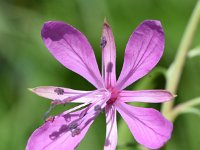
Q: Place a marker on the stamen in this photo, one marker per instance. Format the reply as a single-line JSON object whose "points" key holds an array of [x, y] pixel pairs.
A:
{"points": [[109, 67], [88, 114], [97, 108], [76, 132], [73, 125], [103, 42], [70, 99], [59, 91], [67, 117], [63, 128], [54, 135]]}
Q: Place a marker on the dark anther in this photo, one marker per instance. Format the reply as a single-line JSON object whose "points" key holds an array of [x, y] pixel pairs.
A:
{"points": [[63, 128], [54, 135], [67, 117], [59, 91], [73, 125], [109, 67], [97, 108], [103, 42], [76, 132]]}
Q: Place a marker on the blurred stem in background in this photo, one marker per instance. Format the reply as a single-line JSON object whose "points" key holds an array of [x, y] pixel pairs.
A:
{"points": [[186, 107], [176, 68]]}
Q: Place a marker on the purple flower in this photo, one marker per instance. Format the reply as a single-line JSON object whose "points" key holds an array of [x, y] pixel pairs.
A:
{"points": [[71, 48]]}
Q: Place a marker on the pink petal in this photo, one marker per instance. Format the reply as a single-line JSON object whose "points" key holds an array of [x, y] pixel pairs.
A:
{"points": [[147, 125], [56, 135], [68, 95], [64, 132], [108, 56], [72, 49], [111, 128], [152, 96], [143, 51]]}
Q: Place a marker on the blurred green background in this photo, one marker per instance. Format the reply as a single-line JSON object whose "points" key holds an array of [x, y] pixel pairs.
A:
{"points": [[25, 63]]}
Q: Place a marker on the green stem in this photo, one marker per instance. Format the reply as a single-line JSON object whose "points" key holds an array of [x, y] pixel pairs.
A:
{"points": [[184, 106], [175, 71]]}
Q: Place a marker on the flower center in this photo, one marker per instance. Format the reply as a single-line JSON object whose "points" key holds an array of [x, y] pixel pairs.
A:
{"points": [[114, 96]]}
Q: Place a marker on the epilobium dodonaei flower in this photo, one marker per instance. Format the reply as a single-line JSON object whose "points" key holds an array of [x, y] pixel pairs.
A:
{"points": [[71, 48]]}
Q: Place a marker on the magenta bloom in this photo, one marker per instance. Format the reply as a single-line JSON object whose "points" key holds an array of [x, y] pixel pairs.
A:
{"points": [[71, 48]]}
